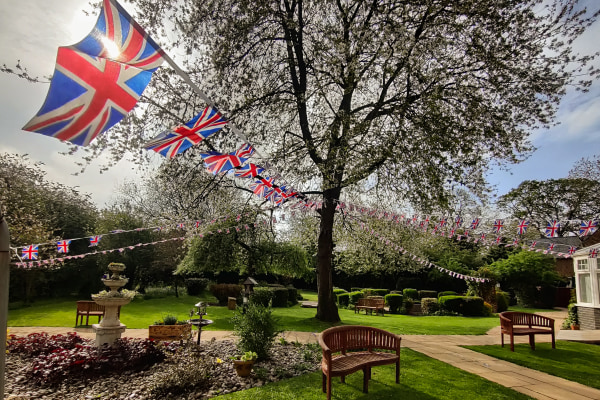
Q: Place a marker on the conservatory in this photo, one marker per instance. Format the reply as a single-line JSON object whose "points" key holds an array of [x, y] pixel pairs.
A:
{"points": [[587, 278]]}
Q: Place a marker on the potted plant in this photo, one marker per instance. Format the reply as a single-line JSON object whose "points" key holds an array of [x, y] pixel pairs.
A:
{"points": [[243, 364], [572, 320], [169, 328]]}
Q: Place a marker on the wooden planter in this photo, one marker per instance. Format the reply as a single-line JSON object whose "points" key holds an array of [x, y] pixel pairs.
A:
{"points": [[170, 332], [243, 368]]}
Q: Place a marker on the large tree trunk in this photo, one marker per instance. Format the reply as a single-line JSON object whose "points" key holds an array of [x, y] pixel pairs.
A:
{"points": [[326, 309]]}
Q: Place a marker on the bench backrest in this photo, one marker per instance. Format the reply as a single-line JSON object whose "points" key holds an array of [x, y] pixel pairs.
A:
{"points": [[88, 305], [522, 318], [362, 302], [356, 337], [375, 302]]}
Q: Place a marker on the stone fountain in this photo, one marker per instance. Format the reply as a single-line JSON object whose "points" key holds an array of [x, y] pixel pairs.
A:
{"points": [[110, 328]]}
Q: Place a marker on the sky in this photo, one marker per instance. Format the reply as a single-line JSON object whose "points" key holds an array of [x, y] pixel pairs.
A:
{"points": [[32, 30]]}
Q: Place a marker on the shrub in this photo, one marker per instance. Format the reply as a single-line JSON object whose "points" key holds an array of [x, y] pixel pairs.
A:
{"points": [[343, 299], [447, 293], [502, 300], [337, 291], [292, 295], [427, 294], [411, 294], [189, 374], [465, 305], [394, 301], [41, 343], [224, 290], [280, 296], [407, 304], [195, 286], [487, 309], [429, 305], [85, 360], [354, 296], [256, 329], [262, 296], [356, 289], [379, 292]]}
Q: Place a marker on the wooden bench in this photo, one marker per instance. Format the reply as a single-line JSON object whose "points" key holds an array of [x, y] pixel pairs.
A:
{"points": [[370, 304], [515, 323], [89, 309], [350, 348]]}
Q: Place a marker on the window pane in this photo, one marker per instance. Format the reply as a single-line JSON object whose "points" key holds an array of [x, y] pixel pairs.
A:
{"points": [[582, 265], [585, 288]]}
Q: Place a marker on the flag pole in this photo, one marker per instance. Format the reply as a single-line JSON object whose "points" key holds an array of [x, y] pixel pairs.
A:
{"points": [[4, 285]]}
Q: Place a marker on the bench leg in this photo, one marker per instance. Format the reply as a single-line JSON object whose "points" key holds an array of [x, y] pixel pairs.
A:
{"points": [[512, 343], [343, 379], [366, 373], [502, 338], [324, 382], [328, 387], [532, 341], [398, 371], [553, 342]]}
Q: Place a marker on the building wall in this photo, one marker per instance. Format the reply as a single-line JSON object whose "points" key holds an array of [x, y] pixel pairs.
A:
{"points": [[589, 318]]}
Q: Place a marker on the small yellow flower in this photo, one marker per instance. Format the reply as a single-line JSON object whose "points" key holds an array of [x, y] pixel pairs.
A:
{"points": [[219, 361]]}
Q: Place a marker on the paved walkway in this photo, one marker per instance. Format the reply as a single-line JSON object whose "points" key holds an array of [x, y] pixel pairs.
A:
{"points": [[446, 348]]}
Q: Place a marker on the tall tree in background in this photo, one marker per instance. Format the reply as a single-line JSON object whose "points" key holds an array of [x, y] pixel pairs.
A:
{"points": [[415, 95], [566, 200], [587, 168]]}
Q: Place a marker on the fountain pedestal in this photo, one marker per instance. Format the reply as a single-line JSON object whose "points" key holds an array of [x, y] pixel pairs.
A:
{"points": [[111, 328]]}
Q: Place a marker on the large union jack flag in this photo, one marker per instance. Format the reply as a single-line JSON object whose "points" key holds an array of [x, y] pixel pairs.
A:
{"points": [[97, 81], [181, 138], [588, 227], [498, 225], [217, 162]]}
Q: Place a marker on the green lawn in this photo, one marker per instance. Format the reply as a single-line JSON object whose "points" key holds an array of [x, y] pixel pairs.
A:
{"points": [[141, 313], [578, 362], [422, 378]]}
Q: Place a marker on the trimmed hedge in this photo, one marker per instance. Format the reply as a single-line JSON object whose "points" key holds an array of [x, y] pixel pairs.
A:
{"points": [[394, 301], [262, 296], [447, 293], [280, 296], [469, 306], [354, 296], [224, 290], [195, 286], [356, 289], [410, 294], [292, 295], [429, 305], [407, 304], [337, 291], [375, 292], [427, 294], [502, 300], [343, 299]]}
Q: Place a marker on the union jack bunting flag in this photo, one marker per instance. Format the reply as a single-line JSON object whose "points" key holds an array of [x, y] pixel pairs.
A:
{"points": [[572, 250], [259, 188], [475, 223], [216, 162], [458, 221], [533, 244], [552, 228], [30, 252], [97, 81], [588, 227], [593, 253], [181, 138], [62, 246], [248, 171], [515, 242], [498, 225], [482, 237], [551, 246], [522, 228], [245, 151], [94, 240], [443, 221], [498, 239]]}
